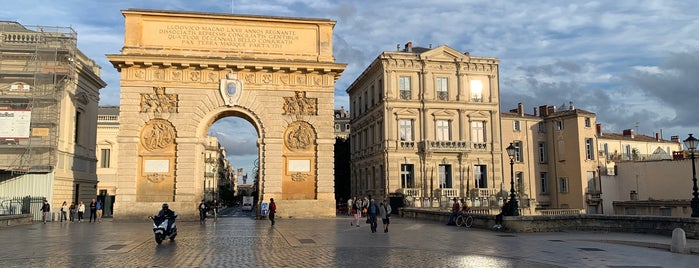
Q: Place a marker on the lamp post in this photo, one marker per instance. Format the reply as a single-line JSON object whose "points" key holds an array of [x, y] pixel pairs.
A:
{"points": [[512, 206], [691, 144]]}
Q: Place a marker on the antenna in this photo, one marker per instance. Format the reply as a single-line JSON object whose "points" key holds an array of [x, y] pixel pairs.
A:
{"points": [[232, 4]]}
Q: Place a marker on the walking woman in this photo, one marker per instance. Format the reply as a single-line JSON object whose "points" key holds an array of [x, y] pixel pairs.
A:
{"points": [[64, 211]]}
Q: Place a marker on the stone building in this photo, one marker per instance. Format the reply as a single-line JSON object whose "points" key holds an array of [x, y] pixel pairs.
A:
{"points": [[49, 92], [426, 124], [107, 154], [342, 123], [556, 164]]}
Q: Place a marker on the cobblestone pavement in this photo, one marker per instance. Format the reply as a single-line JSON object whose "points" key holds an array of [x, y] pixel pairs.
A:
{"points": [[244, 242]]}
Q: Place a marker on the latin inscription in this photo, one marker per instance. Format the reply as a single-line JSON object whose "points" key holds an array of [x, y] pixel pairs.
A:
{"points": [[229, 36]]}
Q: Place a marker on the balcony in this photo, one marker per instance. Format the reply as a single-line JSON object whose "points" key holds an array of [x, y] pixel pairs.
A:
{"points": [[410, 191], [406, 145], [446, 192], [451, 146], [483, 192]]}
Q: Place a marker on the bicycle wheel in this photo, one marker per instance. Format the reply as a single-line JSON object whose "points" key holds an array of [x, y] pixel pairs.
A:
{"points": [[468, 222], [459, 220]]}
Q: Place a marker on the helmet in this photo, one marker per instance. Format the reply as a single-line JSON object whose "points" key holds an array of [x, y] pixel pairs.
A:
{"points": [[165, 206]]}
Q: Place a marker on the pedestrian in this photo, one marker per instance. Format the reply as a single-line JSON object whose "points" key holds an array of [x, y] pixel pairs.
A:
{"points": [[272, 210], [64, 211], [202, 212], [357, 211], [73, 209], [455, 208], [93, 210], [349, 206], [372, 211], [214, 209], [385, 211], [81, 211], [99, 208], [45, 211]]}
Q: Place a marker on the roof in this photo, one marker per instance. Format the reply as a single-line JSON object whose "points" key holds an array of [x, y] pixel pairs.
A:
{"points": [[636, 137], [108, 110]]}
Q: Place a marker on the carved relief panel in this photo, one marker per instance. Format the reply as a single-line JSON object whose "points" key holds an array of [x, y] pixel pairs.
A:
{"points": [[156, 162], [299, 178]]}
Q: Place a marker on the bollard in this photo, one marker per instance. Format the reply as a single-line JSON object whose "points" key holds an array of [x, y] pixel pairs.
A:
{"points": [[679, 241]]}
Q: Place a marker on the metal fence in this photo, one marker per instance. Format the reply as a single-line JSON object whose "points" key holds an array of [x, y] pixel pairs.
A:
{"points": [[22, 205]]}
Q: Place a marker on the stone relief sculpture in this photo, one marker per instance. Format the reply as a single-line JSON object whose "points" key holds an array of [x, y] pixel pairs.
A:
{"points": [[158, 101], [155, 177], [298, 176], [299, 136], [231, 88], [157, 134], [300, 105]]}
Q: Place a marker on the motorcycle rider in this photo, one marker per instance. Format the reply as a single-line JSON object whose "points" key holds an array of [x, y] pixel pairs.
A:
{"points": [[167, 213]]}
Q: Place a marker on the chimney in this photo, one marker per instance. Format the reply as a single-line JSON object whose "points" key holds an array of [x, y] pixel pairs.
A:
{"points": [[520, 109], [534, 111], [552, 109], [571, 107], [599, 130], [397, 47], [657, 136], [628, 133], [409, 47], [342, 111], [544, 110], [675, 139]]}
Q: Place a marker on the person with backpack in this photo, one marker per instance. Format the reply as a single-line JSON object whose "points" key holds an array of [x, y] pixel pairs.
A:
{"points": [[385, 212], [372, 211]]}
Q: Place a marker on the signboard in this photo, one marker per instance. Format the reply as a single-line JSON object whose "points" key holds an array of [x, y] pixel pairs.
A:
{"points": [[15, 124], [157, 166], [265, 209], [299, 165], [20, 87]]}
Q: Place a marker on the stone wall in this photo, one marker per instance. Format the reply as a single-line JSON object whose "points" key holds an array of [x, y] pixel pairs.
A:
{"points": [[582, 222], [12, 220]]}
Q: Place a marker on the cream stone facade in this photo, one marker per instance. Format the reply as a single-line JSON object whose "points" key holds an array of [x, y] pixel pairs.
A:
{"points": [[426, 123], [181, 71], [49, 92]]}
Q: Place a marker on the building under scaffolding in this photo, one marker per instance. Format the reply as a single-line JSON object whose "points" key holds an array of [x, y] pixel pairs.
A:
{"points": [[49, 93]]}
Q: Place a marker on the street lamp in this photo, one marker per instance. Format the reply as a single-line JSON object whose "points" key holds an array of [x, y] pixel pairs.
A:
{"points": [[512, 206], [691, 144]]}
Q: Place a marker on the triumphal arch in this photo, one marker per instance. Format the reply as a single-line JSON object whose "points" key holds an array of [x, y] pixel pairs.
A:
{"points": [[182, 71]]}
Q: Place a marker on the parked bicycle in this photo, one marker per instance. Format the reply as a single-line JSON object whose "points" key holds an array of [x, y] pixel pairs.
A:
{"points": [[464, 219]]}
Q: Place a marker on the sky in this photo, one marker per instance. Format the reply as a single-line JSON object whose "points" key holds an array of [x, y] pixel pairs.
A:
{"points": [[634, 63]]}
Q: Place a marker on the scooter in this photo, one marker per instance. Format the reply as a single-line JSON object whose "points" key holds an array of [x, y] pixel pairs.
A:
{"points": [[160, 227]]}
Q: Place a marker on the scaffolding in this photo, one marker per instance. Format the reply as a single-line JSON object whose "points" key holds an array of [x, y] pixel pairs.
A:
{"points": [[37, 67]]}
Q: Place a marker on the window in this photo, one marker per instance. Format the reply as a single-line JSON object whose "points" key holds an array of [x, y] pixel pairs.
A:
{"points": [[544, 182], [627, 152], [406, 176], [518, 154], [559, 125], [519, 182], [337, 127], [589, 149], [587, 122], [543, 155], [361, 103], [605, 147], [366, 104], [443, 130], [478, 131], [372, 95], [481, 177], [476, 91], [104, 158], [445, 176], [78, 125], [404, 85], [516, 126], [441, 85], [591, 182], [563, 185], [542, 127], [665, 211], [405, 131], [347, 127]]}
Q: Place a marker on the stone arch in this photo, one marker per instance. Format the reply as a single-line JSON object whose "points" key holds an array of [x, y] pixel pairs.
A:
{"points": [[189, 82]]}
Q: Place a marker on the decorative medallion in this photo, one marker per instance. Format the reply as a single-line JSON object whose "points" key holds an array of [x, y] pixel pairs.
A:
{"points": [[300, 105], [155, 177], [157, 134], [298, 176], [231, 88], [158, 101], [299, 136]]}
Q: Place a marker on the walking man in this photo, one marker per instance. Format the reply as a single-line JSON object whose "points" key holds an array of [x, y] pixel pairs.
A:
{"points": [[202, 212], [272, 210], [372, 211], [385, 211], [98, 206], [93, 210], [45, 211]]}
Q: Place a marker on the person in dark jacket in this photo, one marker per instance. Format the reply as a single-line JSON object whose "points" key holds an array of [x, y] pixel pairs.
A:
{"points": [[372, 211], [272, 210], [45, 211]]}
